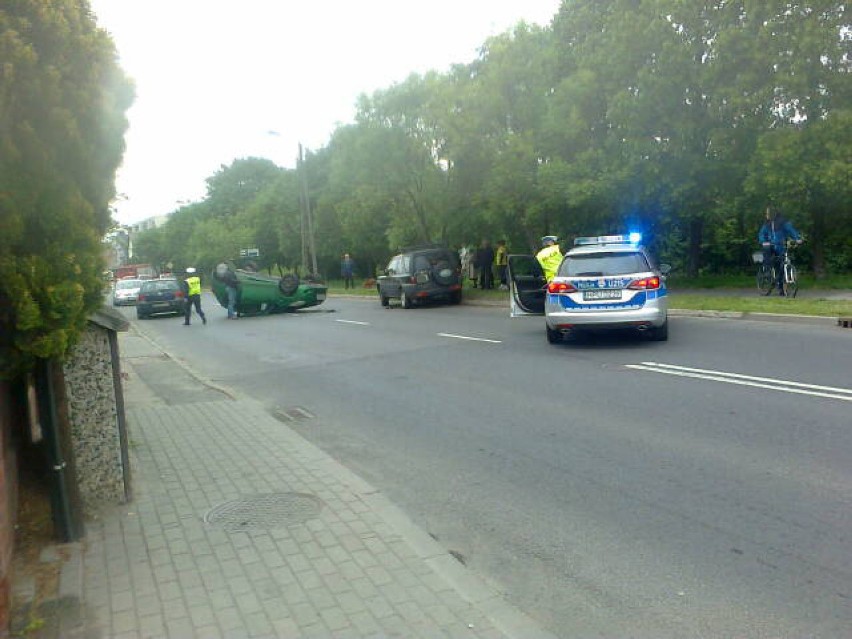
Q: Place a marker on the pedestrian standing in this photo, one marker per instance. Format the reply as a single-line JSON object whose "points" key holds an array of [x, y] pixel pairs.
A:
{"points": [[229, 279], [484, 259], [192, 289], [347, 271], [501, 261]]}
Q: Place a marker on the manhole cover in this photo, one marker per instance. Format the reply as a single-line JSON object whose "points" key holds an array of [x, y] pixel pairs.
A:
{"points": [[261, 512]]}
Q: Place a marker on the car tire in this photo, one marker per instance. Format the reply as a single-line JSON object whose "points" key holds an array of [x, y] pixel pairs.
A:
{"points": [[140, 316], [661, 333], [456, 297], [553, 337], [404, 300], [383, 299], [288, 284]]}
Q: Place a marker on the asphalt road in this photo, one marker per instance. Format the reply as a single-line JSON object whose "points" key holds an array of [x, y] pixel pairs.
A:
{"points": [[616, 487]]}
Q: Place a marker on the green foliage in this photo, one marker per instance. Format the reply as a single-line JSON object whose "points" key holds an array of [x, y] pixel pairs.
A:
{"points": [[62, 106], [680, 119]]}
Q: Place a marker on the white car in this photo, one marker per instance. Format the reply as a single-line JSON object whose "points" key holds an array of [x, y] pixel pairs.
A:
{"points": [[126, 292], [604, 283]]}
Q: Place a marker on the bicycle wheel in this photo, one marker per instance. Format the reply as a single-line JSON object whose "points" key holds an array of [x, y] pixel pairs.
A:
{"points": [[765, 279], [791, 281]]}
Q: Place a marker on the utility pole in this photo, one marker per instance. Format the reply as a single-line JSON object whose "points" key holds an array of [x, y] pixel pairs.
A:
{"points": [[308, 247]]}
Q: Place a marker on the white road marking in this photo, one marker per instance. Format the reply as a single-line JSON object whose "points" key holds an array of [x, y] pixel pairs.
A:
{"points": [[472, 339], [353, 322], [786, 386]]}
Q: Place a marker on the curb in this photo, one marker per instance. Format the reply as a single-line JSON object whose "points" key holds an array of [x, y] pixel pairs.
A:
{"points": [[812, 320], [511, 621]]}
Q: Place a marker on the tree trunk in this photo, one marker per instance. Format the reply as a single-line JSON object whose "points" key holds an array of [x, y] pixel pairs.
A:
{"points": [[817, 241], [696, 231]]}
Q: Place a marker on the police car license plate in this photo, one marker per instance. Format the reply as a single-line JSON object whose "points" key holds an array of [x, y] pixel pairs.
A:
{"points": [[602, 294]]}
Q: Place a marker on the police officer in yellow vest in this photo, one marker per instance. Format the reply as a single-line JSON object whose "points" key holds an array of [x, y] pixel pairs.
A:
{"points": [[550, 257], [192, 289]]}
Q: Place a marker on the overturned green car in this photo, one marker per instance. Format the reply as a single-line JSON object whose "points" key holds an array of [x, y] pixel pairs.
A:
{"points": [[259, 294]]}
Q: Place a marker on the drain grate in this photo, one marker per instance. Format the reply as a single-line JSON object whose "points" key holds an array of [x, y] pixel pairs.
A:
{"points": [[262, 512]]}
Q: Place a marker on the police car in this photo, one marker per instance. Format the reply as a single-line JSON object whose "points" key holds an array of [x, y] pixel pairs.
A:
{"points": [[605, 282]]}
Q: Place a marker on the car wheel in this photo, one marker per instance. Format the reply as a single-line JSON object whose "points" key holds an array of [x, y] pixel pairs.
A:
{"points": [[404, 300], [553, 337], [288, 284], [383, 299], [661, 333], [456, 297], [140, 316]]}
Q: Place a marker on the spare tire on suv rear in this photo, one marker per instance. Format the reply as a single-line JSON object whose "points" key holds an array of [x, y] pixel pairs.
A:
{"points": [[444, 274]]}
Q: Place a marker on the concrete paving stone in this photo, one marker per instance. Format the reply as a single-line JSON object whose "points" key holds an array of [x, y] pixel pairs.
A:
{"points": [[240, 540], [160, 558], [200, 547], [309, 579], [263, 543], [288, 546], [378, 575], [164, 574], [183, 563], [258, 625], [124, 621], [364, 588], [121, 601], [248, 603], [248, 556], [335, 619], [321, 598], [208, 632], [351, 543], [268, 589], [229, 618], [147, 605], [282, 575], [231, 568], [379, 607], [364, 558], [348, 569], [188, 578], [286, 627], [152, 625], [315, 631], [301, 534], [120, 583], [298, 563], [196, 596], [325, 566], [410, 611], [304, 614], [180, 627], [155, 541], [201, 615], [312, 550], [337, 584], [223, 550], [179, 547], [220, 597], [293, 594], [174, 609], [350, 602]]}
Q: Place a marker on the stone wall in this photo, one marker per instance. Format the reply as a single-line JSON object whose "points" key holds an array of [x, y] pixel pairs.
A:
{"points": [[94, 421]]}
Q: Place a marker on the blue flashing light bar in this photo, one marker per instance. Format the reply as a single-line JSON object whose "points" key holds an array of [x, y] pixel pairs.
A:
{"points": [[632, 238]]}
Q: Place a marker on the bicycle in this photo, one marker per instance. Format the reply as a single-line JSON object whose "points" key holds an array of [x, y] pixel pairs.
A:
{"points": [[767, 275]]}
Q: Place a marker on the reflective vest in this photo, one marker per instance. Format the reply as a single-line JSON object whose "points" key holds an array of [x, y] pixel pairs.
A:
{"points": [[550, 257], [193, 285]]}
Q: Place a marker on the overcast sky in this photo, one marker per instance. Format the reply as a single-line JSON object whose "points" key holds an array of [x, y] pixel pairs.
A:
{"points": [[218, 80]]}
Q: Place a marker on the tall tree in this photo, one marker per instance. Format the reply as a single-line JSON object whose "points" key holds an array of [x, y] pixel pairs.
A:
{"points": [[62, 117]]}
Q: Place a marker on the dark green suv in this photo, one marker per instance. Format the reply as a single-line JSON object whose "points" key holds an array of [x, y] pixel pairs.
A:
{"points": [[420, 275]]}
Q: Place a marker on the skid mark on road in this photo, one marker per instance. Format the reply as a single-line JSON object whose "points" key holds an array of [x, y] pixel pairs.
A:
{"points": [[786, 386]]}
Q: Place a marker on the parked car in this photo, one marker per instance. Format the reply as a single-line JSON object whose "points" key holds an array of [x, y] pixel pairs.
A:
{"points": [[421, 275], [259, 294], [160, 296], [126, 291], [604, 283]]}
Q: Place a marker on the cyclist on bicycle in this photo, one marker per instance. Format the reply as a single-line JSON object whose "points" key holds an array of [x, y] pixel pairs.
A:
{"points": [[773, 236]]}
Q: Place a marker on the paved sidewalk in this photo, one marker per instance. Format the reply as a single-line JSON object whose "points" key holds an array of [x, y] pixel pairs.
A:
{"points": [[241, 528]]}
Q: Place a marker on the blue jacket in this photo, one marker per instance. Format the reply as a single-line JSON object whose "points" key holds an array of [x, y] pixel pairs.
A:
{"points": [[777, 232]]}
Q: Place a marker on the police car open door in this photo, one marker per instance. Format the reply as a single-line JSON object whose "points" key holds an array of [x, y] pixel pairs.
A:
{"points": [[527, 285]]}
